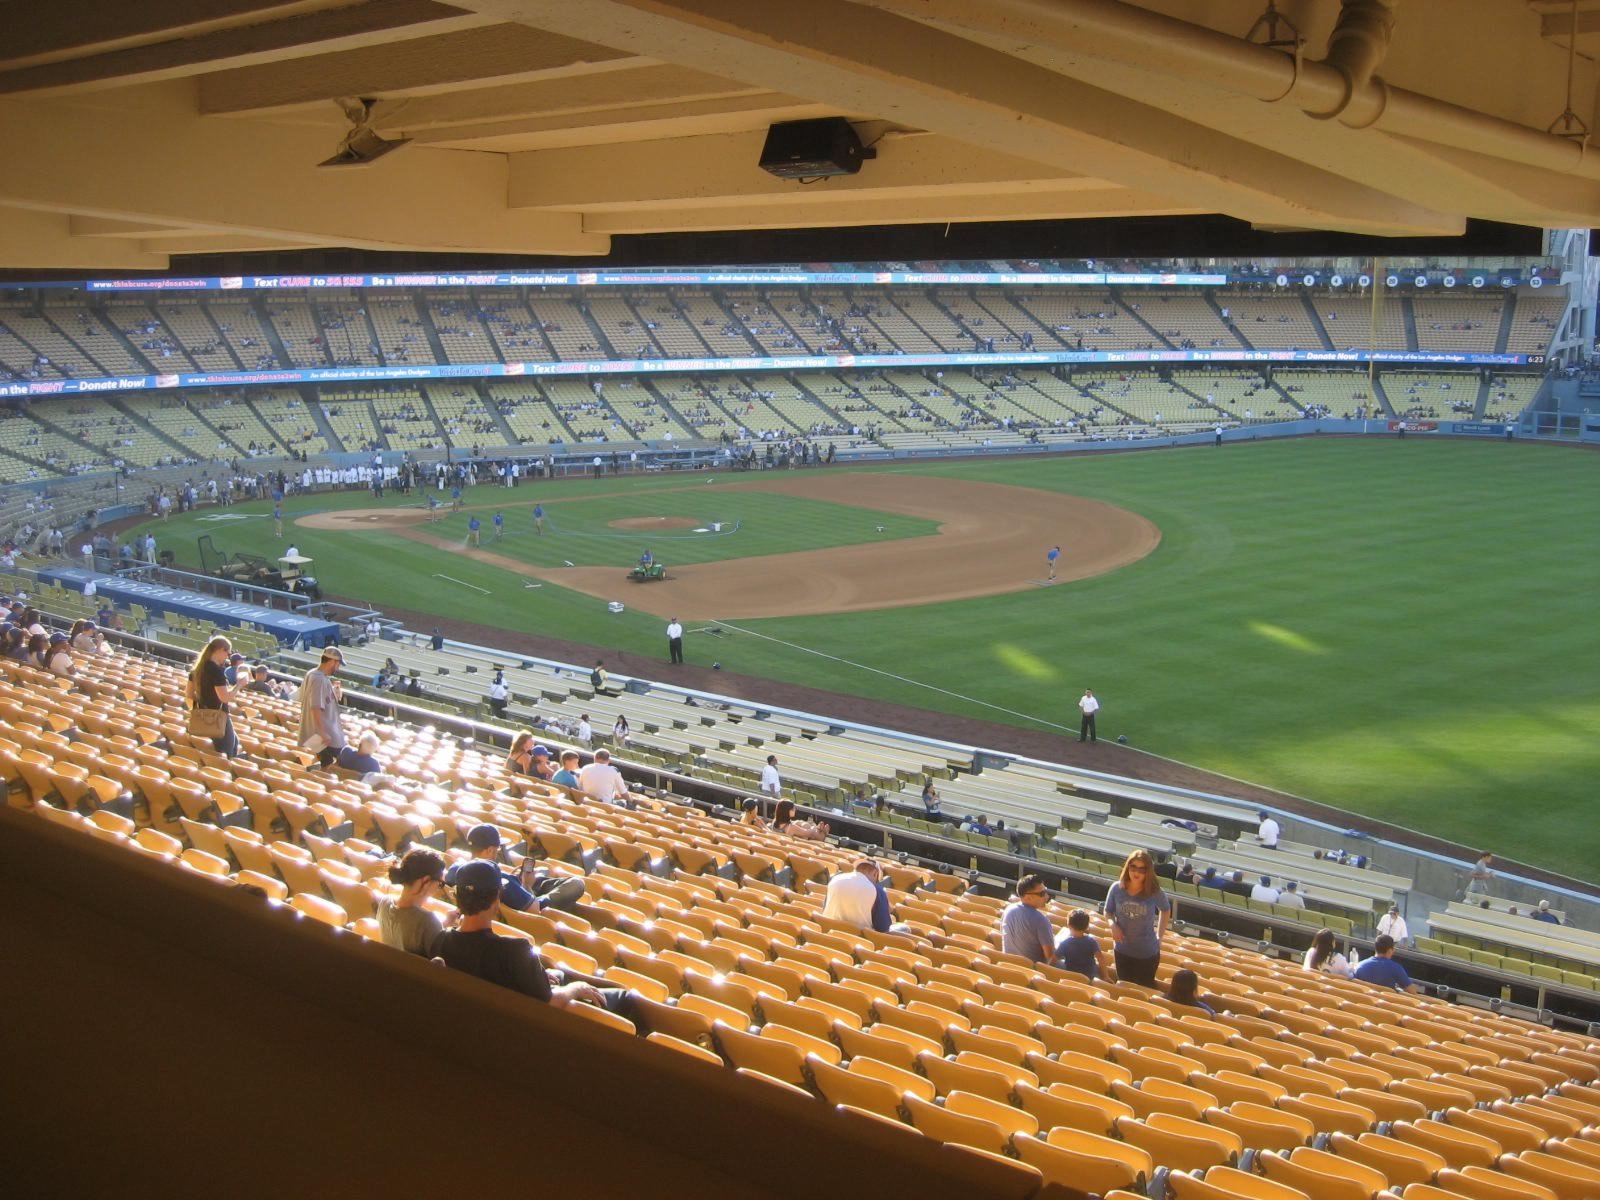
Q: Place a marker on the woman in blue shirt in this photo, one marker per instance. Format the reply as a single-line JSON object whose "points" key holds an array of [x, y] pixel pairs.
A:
{"points": [[1139, 912]]}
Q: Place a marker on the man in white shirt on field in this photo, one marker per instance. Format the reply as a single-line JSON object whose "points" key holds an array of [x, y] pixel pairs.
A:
{"points": [[1394, 925], [1270, 831], [771, 781], [603, 781], [1088, 705], [852, 894]]}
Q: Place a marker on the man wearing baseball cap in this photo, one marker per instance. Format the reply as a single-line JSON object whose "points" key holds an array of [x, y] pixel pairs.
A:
{"points": [[528, 890], [473, 947], [321, 730]]}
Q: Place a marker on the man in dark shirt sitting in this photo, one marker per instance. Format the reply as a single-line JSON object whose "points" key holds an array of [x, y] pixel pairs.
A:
{"points": [[509, 962], [528, 890]]}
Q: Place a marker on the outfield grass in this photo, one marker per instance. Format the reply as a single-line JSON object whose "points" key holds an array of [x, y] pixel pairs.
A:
{"points": [[1404, 629]]}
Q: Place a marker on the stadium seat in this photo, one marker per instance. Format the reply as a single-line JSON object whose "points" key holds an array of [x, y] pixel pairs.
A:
{"points": [[943, 1125], [1399, 1162], [319, 908], [1227, 1183], [838, 1085], [1480, 1183], [1181, 1145], [1085, 1161], [1322, 1176]]}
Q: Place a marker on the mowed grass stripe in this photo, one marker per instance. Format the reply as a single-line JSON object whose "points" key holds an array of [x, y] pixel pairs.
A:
{"points": [[1404, 629]]}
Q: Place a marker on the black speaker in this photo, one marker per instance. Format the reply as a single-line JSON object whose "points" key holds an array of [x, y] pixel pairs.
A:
{"points": [[811, 149]]}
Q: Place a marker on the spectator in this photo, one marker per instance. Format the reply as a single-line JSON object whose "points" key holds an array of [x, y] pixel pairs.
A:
{"points": [[750, 814], [1213, 880], [600, 680], [1381, 970], [1024, 929], [519, 759], [785, 821], [499, 694], [1269, 831], [1236, 885], [321, 730], [1324, 958], [1482, 874], [1165, 867], [58, 656], [474, 948], [207, 687], [930, 800], [1264, 891], [1543, 913], [1076, 950], [86, 638], [1184, 989], [604, 782], [771, 782], [363, 758], [403, 921], [1394, 925], [585, 733], [1291, 897], [853, 894], [567, 776], [1139, 911], [529, 890], [620, 731], [261, 681]]}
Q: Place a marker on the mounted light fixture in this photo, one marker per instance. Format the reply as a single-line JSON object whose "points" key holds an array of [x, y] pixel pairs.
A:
{"points": [[363, 144]]}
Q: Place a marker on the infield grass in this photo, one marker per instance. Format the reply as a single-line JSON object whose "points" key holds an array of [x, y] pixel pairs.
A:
{"points": [[1405, 629]]}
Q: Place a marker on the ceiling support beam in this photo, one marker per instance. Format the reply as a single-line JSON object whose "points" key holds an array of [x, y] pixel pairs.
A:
{"points": [[96, 159]]}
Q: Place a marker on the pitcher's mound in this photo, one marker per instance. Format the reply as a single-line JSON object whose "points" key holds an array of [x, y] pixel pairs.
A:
{"points": [[646, 524]]}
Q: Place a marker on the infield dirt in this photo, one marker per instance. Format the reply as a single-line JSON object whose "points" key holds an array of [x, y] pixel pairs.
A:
{"points": [[992, 539]]}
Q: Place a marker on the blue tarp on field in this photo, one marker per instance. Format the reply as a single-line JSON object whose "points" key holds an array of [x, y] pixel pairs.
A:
{"points": [[287, 627]]}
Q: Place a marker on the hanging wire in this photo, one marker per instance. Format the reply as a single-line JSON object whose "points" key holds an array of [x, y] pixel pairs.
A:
{"points": [[1569, 124]]}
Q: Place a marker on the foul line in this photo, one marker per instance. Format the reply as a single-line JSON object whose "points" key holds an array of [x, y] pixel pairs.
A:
{"points": [[463, 583], [1010, 712]]}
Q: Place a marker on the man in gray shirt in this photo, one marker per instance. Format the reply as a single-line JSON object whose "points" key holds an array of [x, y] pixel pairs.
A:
{"points": [[1024, 929], [321, 731]]}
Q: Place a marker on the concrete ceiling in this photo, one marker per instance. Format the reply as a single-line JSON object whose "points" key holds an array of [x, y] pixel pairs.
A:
{"points": [[136, 132]]}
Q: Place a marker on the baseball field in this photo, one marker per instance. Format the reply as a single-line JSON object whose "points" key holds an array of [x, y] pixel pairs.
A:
{"points": [[1400, 629]]}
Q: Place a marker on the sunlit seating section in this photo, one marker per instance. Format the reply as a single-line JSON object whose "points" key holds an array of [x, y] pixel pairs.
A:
{"points": [[1299, 1085], [349, 413], [94, 419], [1185, 316], [565, 325], [637, 404], [236, 319], [188, 324], [291, 423], [1432, 394], [1509, 395], [1457, 323], [585, 411], [1348, 321], [461, 411], [1270, 321], [715, 326], [348, 336], [512, 327], [181, 417], [629, 333], [991, 312], [29, 324], [779, 322], [1341, 394], [94, 331], [528, 411], [1534, 320], [297, 329], [1091, 318]]}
